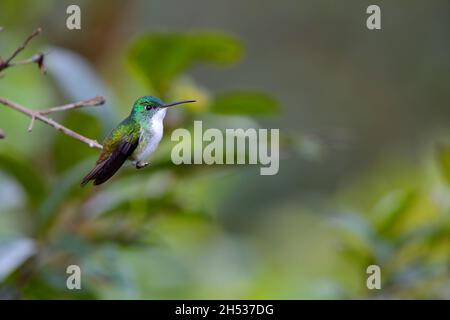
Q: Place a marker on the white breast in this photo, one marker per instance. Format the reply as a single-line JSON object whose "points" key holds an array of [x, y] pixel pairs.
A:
{"points": [[150, 137]]}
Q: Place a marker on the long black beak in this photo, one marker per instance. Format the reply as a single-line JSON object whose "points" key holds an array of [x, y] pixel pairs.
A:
{"points": [[176, 103]]}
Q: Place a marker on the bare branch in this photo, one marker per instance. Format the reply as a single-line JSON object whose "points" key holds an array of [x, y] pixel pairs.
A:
{"points": [[2, 133], [37, 59], [97, 101], [39, 116]]}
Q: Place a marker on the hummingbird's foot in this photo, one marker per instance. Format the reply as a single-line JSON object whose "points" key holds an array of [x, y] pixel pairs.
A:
{"points": [[140, 165]]}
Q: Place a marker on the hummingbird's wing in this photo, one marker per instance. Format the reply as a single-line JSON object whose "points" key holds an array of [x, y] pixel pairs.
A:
{"points": [[112, 157]]}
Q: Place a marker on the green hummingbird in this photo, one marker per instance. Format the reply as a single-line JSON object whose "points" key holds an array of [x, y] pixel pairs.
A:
{"points": [[135, 139]]}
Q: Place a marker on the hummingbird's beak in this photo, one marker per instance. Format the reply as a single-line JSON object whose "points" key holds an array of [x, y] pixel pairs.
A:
{"points": [[176, 103]]}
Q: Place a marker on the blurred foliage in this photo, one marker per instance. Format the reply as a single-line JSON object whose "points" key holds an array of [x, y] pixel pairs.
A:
{"points": [[162, 57], [165, 232], [407, 233], [244, 103], [443, 155]]}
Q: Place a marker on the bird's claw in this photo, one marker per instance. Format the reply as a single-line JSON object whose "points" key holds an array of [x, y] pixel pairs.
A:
{"points": [[140, 165]]}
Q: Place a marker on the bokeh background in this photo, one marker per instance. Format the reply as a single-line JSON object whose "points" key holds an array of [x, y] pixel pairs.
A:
{"points": [[364, 176]]}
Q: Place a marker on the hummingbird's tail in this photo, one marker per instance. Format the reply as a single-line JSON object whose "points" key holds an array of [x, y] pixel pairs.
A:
{"points": [[106, 168], [92, 175], [102, 172]]}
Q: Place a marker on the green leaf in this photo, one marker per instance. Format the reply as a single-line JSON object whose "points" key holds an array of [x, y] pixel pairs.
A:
{"points": [[160, 58], [244, 102], [431, 234], [443, 158], [392, 209]]}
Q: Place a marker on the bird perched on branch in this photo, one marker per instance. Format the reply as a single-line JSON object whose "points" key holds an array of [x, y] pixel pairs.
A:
{"points": [[134, 139]]}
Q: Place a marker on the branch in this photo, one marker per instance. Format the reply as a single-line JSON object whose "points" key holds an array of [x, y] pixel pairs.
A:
{"points": [[41, 117], [97, 101], [38, 58], [40, 114]]}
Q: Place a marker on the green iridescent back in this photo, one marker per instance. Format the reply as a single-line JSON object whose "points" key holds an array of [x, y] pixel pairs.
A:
{"points": [[128, 130]]}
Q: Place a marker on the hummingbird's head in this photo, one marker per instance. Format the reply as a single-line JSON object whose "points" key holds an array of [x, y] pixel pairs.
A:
{"points": [[147, 107]]}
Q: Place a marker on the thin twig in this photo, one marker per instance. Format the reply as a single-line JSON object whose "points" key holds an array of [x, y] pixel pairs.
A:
{"points": [[31, 125], [36, 115], [97, 101], [37, 58], [24, 45], [8, 62]]}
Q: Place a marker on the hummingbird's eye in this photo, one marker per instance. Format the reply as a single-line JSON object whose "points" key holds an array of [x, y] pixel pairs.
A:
{"points": [[148, 107]]}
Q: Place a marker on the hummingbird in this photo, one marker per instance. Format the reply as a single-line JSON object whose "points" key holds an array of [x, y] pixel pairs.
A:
{"points": [[134, 139]]}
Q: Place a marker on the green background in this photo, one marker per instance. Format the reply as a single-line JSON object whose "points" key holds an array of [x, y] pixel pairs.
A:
{"points": [[364, 176]]}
